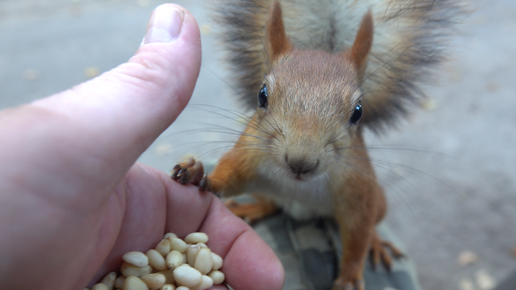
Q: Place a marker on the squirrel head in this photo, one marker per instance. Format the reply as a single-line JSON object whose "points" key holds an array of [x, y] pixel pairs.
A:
{"points": [[309, 106]]}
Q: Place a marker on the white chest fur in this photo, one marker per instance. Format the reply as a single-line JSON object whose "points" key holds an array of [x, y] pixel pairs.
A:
{"points": [[301, 199]]}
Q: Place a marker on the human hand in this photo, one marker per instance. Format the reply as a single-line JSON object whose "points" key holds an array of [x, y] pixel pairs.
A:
{"points": [[72, 199]]}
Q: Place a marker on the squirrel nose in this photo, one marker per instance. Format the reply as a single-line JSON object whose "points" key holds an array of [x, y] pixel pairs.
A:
{"points": [[301, 165]]}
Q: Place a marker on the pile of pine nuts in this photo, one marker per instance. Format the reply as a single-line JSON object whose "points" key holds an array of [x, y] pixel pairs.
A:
{"points": [[174, 264]]}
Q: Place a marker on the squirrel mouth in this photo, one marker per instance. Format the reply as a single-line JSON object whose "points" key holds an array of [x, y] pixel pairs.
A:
{"points": [[302, 177], [301, 169]]}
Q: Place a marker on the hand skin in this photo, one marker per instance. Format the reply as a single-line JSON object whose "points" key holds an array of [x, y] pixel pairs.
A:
{"points": [[72, 199]]}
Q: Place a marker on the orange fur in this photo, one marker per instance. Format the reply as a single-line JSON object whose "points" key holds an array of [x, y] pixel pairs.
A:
{"points": [[362, 45], [359, 201], [236, 167], [302, 150], [252, 212], [277, 39]]}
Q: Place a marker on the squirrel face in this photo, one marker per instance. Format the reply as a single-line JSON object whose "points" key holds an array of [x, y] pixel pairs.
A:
{"points": [[309, 109], [310, 104]]}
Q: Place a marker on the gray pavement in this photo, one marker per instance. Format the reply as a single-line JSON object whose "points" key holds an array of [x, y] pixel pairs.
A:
{"points": [[449, 170]]}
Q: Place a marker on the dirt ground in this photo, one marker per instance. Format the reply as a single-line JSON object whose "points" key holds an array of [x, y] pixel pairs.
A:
{"points": [[449, 170]]}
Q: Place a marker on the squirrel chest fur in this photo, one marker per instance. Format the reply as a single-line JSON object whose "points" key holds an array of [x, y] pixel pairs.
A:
{"points": [[317, 73]]}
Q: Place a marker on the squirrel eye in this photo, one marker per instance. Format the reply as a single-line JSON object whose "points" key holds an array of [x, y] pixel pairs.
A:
{"points": [[357, 114], [263, 96]]}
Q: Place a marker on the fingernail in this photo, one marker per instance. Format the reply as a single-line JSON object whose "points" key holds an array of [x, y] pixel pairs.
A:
{"points": [[164, 25]]}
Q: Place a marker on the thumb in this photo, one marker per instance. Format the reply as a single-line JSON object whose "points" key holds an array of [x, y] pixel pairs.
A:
{"points": [[89, 136], [125, 109]]}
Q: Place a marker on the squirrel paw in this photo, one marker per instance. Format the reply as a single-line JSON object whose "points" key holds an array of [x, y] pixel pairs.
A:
{"points": [[251, 212], [191, 172], [341, 284], [379, 253]]}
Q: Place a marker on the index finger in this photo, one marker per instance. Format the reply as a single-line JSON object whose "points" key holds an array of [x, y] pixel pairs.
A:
{"points": [[249, 263]]}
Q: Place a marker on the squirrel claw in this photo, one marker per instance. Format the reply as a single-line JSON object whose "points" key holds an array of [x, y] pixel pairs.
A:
{"points": [[191, 172], [174, 172], [182, 176], [204, 184], [354, 285], [379, 254]]}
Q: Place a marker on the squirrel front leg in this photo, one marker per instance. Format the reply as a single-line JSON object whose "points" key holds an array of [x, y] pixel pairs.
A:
{"points": [[356, 218], [233, 171], [231, 174], [228, 178], [359, 206]]}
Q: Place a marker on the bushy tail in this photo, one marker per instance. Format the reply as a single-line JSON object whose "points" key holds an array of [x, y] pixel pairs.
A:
{"points": [[409, 41]]}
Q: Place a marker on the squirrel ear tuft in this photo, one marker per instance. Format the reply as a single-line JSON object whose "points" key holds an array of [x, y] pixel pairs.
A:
{"points": [[363, 42], [276, 38]]}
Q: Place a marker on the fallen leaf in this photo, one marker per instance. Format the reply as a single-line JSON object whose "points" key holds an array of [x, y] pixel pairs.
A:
{"points": [[466, 284], [430, 104], [467, 258], [484, 280], [91, 72], [143, 3], [30, 74], [205, 29], [164, 149]]}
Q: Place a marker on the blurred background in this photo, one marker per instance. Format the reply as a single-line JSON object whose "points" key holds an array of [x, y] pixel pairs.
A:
{"points": [[449, 170]]}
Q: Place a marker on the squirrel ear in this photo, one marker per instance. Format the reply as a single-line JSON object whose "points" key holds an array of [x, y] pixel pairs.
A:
{"points": [[363, 42], [277, 41]]}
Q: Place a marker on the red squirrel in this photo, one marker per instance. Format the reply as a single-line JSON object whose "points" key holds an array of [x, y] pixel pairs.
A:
{"points": [[318, 75]]}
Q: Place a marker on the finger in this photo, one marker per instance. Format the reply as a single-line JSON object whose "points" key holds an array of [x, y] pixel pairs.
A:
{"points": [[138, 221], [125, 109], [249, 263], [88, 137], [150, 205]]}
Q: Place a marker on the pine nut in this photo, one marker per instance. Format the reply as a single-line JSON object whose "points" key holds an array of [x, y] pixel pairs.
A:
{"points": [[169, 235], [203, 261], [195, 238], [217, 261], [217, 277], [202, 245], [153, 281], [156, 260], [109, 280], [119, 282], [172, 265], [134, 283], [99, 286], [131, 270], [178, 245], [187, 276], [163, 247], [169, 276], [174, 259], [136, 258], [191, 254], [206, 282]]}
